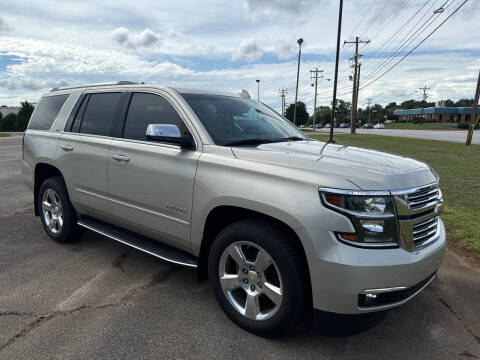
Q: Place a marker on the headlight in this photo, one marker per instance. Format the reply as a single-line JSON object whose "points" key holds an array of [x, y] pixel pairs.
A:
{"points": [[371, 212]]}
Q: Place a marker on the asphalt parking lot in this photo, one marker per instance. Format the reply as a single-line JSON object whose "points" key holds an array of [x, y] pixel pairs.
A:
{"points": [[100, 299]]}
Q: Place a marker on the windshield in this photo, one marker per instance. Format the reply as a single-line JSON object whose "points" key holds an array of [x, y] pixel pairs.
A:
{"points": [[236, 121]]}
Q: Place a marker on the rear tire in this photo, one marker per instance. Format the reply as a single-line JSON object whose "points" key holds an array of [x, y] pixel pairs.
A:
{"points": [[58, 217], [259, 277]]}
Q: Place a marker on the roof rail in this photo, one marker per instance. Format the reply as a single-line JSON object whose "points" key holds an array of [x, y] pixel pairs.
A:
{"points": [[123, 82]]}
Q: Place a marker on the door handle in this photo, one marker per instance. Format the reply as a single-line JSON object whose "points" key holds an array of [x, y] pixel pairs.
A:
{"points": [[66, 147], [121, 158]]}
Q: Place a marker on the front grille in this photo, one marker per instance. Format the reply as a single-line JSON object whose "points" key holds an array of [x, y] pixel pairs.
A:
{"points": [[423, 197], [425, 231], [418, 211]]}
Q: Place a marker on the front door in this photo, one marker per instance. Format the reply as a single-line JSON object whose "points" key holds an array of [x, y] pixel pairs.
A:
{"points": [[151, 183]]}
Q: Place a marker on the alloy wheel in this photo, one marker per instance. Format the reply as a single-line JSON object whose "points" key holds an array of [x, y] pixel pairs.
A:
{"points": [[52, 211], [250, 280]]}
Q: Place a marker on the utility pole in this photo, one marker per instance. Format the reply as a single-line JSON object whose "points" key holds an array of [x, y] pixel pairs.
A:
{"points": [[258, 89], [315, 75], [299, 42], [356, 95], [473, 120], [355, 75], [424, 89], [283, 92], [369, 101], [334, 103]]}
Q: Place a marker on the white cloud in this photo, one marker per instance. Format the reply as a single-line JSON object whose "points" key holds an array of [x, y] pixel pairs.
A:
{"points": [[152, 43], [145, 39], [3, 25], [248, 51], [271, 7], [285, 50]]}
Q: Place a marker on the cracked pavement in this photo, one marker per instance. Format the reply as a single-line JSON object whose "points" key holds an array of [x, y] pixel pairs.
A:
{"points": [[99, 299]]}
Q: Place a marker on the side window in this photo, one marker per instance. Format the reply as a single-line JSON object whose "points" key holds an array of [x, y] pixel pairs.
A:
{"points": [[46, 112], [99, 113], [78, 116], [148, 109]]}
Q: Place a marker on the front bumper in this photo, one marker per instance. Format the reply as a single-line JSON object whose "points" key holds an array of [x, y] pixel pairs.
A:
{"points": [[341, 274]]}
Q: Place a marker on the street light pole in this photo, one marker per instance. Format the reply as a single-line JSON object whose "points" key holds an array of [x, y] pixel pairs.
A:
{"points": [[258, 89], [334, 104], [299, 42]]}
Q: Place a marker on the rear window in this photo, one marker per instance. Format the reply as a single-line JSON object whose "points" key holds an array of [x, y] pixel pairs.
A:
{"points": [[46, 112]]}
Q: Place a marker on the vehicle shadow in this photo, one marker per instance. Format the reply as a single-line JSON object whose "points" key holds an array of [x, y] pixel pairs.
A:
{"points": [[339, 325]]}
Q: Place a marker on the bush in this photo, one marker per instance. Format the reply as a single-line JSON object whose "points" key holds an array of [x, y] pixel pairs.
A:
{"points": [[466, 125], [8, 123]]}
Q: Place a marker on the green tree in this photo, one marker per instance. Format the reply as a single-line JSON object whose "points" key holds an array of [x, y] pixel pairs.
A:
{"points": [[323, 114], [8, 123], [302, 114], [344, 107], [449, 103], [464, 102], [23, 115], [389, 109]]}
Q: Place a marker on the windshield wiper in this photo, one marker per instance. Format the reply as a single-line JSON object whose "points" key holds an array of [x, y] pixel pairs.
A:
{"points": [[249, 142], [291, 138], [256, 142]]}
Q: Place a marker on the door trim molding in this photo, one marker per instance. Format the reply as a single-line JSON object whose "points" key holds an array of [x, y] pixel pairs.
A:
{"points": [[148, 211]]}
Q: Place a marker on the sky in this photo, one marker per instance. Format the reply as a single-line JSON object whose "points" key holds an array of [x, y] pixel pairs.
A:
{"points": [[228, 45]]}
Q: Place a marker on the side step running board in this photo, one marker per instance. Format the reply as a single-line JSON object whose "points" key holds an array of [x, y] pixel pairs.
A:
{"points": [[139, 242]]}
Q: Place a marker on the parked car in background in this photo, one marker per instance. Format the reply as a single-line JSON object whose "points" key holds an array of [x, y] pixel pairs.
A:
{"points": [[367, 126], [344, 125], [327, 125], [279, 223], [379, 126]]}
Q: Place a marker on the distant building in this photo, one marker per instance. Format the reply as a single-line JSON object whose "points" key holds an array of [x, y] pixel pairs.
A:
{"points": [[440, 114], [5, 110]]}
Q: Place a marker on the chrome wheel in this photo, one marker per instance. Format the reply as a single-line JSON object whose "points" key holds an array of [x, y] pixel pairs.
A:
{"points": [[52, 210], [250, 280]]}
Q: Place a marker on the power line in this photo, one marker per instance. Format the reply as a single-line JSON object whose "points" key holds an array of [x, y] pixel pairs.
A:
{"points": [[399, 30], [393, 14], [407, 40], [416, 46], [376, 16], [362, 19]]}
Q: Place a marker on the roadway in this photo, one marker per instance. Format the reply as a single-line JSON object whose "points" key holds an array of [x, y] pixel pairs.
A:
{"points": [[443, 135]]}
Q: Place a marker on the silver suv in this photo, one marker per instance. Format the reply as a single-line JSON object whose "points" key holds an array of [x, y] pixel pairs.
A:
{"points": [[279, 223]]}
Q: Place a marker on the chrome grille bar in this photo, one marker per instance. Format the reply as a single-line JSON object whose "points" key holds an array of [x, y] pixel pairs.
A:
{"points": [[418, 208]]}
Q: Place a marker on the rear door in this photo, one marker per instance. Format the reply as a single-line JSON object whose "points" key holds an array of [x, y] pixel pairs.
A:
{"points": [[83, 151], [151, 183]]}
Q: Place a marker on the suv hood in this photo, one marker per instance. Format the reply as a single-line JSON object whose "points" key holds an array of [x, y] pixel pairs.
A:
{"points": [[368, 169]]}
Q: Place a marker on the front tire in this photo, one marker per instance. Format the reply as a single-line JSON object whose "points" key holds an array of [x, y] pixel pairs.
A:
{"points": [[259, 277], [58, 217]]}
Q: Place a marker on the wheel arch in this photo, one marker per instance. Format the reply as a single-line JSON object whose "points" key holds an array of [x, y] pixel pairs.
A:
{"points": [[42, 172], [223, 215]]}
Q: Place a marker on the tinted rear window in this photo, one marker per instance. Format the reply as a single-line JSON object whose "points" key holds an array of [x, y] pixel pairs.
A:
{"points": [[100, 113], [46, 112]]}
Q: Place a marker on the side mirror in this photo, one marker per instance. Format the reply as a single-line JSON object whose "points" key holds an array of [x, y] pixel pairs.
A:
{"points": [[169, 133]]}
